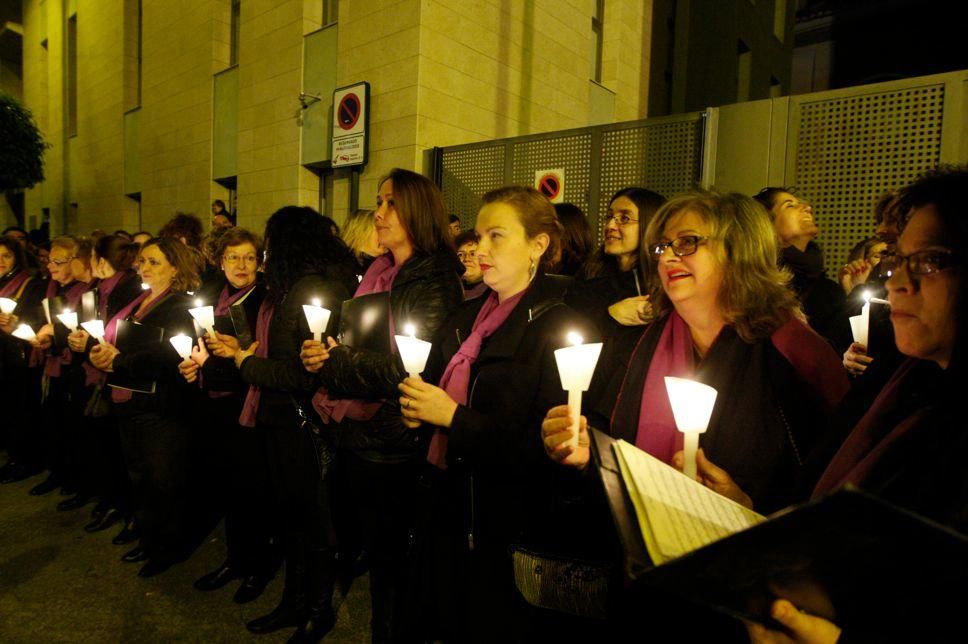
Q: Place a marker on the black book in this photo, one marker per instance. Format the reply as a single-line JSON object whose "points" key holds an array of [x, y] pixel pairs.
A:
{"points": [[239, 322], [132, 337], [365, 322], [89, 306], [857, 560], [53, 307]]}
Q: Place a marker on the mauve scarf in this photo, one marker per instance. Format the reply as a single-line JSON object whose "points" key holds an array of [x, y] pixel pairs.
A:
{"points": [[225, 300], [657, 433], [378, 279], [54, 362], [93, 375], [457, 375], [874, 434], [111, 332], [250, 407], [10, 288]]}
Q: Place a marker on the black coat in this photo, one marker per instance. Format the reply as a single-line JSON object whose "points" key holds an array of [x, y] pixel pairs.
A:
{"points": [[14, 351], [159, 362], [220, 374], [822, 298], [424, 293], [281, 374], [591, 296]]}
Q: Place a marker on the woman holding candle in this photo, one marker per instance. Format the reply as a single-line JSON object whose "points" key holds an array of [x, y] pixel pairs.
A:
{"points": [[235, 455], [304, 260], [112, 259], [499, 375], [154, 426], [380, 457], [20, 386], [612, 288]]}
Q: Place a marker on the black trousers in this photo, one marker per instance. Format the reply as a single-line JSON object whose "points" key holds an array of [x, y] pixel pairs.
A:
{"points": [[59, 429], [20, 400], [235, 466], [303, 500], [382, 498], [156, 456], [102, 462]]}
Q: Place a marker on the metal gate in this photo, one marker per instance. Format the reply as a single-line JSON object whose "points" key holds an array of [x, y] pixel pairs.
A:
{"points": [[662, 154]]}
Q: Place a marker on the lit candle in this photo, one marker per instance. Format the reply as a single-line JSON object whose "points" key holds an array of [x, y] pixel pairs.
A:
{"points": [[692, 404], [24, 332], [183, 345], [576, 364], [317, 317], [860, 324], [144, 286], [413, 351], [69, 319], [96, 329], [205, 316], [7, 305]]}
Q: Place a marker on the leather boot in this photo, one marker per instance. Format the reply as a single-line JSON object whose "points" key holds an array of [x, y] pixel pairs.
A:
{"points": [[293, 609], [322, 578]]}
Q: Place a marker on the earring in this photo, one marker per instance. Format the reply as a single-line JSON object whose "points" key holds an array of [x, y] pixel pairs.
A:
{"points": [[532, 270]]}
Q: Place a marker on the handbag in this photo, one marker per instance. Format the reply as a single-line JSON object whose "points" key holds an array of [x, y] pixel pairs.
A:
{"points": [[322, 450], [562, 584]]}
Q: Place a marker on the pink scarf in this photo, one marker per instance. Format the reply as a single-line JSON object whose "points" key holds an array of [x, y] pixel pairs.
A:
{"points": [[111, 332], [868, 442], [457, 375], [378, 279], [10, 288], [225, 300], [250, 407], [673, 356], [54, 362]]}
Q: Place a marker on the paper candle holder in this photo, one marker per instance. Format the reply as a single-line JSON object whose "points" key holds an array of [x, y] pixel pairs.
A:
{"points": [[413, 351], [24, 332], [68, 319], [7, 305], [317, 318], [95, 328], [183, 345]]}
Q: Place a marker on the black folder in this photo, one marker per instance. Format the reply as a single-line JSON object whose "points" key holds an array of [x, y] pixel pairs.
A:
{"points": [[365, 322], [240, 325], [53, 307], [864, 563], [132, 337], [89, 306]]}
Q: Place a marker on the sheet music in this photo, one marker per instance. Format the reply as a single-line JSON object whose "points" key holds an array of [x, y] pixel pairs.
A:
{"points": [[677, 515]]}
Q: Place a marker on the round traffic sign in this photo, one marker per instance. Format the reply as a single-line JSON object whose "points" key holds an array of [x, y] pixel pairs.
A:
{"points": [[348, 112], [549, 185]]}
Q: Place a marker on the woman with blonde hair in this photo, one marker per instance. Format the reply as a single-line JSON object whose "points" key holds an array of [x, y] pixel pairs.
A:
{"points": [[359, 233], [726, 318]]}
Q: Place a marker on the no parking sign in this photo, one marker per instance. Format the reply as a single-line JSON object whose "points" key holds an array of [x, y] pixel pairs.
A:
{"points": [[551, 183], [350, 118]]}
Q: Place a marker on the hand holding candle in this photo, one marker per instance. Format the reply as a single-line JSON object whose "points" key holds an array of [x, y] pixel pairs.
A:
{"points": [[413, 351], [205, 316], [692, 405], [317, 317], [576, 364], [69, 319], [183, 345], [95, 328]]}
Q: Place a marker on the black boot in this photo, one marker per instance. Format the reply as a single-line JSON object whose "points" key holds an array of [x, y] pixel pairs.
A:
{"points": [[293, 609], [49, 484], [322, 578], [218, 577]]}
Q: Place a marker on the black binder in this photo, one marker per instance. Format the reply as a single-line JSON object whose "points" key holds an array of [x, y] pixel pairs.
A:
{"points": [[365, 322], [132, 337], [53, 307], [860, 561], [89, 306], [239, 323]]}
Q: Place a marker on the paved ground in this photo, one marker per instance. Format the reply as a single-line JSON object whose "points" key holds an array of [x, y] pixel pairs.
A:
{"points": [[60, 584]]}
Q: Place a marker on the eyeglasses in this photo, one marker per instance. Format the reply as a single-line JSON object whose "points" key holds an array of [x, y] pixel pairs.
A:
{"points": [[462, 255], [235, 259], [620, 218], [925, 262], [681, 246], [59, 262]]}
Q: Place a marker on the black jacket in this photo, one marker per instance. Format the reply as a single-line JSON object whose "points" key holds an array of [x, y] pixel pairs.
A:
{"points": [[822, 298], [220, 374], [15, 352], [281, 374], [159, 362], [424, 293]]}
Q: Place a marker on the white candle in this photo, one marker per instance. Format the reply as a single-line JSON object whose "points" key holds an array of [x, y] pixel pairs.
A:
{"points": [[576, 364], [205, 316], [183, 345], [692, 404], [24, 332], [7, 305], [69, 319], [317, 317], [860, 324], [95, 328], [413, 351]]}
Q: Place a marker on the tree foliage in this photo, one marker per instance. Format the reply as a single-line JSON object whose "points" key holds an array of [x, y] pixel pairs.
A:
{"points": [[21, 146]]}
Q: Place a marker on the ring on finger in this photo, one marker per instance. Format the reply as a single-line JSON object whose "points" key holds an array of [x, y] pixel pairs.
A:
{"points": [[406, 403]]}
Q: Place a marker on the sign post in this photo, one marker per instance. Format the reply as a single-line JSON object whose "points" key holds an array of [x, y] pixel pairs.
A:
{"points": [[551, 183], [351, 117]]}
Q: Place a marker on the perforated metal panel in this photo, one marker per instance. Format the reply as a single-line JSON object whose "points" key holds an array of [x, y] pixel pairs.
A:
{"points": [[851, 150], [573, 153], [469, 173], [665, 157]]}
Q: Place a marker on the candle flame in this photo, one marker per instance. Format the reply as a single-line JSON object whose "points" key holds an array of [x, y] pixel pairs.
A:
{"points": [[317, 302], [574, 339], [144, 287], [867, 296], [409, 329], [66, 312], [199, 303]]}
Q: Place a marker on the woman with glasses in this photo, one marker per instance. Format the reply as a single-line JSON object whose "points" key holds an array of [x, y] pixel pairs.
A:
{"points": [[235, 456], [19, 380], [611, 289], [910, 447]]}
